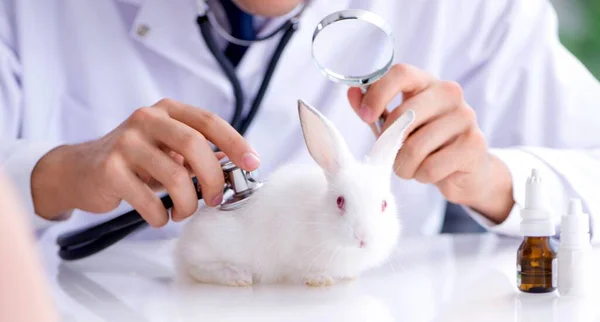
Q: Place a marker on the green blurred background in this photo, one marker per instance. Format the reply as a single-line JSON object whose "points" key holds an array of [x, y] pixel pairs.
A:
{"points": [[579, 27]]}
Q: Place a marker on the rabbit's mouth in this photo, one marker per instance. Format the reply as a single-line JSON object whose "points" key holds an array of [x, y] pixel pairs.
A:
{"points": [[360, 245]]}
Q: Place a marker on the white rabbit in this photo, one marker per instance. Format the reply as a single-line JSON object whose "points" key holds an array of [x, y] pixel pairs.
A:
{"points": [[307, 224]]}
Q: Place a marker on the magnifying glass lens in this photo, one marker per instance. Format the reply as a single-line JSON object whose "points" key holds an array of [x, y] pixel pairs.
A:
{"points": [[355, 48], [352, 49]]}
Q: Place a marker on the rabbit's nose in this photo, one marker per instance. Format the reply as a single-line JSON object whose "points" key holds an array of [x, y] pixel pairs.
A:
{"points": [[360, 236]]}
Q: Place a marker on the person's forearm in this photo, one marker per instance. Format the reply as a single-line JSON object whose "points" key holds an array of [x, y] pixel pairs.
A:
{"points": [[24, 292], [496, 199]]}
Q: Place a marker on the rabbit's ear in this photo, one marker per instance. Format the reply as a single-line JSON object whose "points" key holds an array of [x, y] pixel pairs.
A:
{"points": [[390, 141], [324, 142]]}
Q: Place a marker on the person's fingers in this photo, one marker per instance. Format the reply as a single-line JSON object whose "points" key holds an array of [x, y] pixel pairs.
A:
{"points": [[441, 163], [210, 175], [429, 138], [400, 78], [177, 157], [173, 176], [181, 161], [196, 151], [131, 189], [216, 130], [355, 97], [146, 178], [143, 175], [456, 157], [440, 98]]}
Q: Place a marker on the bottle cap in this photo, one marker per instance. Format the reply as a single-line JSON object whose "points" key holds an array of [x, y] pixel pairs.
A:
{"points": [[536, 220], [574, 226]]}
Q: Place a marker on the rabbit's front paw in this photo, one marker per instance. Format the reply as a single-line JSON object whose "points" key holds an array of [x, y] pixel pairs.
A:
{"points": [[236, 276], [222, 273], [318, 280]]}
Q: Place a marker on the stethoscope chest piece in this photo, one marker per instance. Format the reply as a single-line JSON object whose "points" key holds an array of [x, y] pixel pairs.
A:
{"points": [[240, 185]]}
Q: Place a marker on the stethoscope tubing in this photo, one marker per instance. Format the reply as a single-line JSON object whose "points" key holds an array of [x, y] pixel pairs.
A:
{"points": [[91, 247], [120, 222], [90, 240], [206, 31]]}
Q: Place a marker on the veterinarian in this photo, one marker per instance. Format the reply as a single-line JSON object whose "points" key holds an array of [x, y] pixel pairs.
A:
{"points": [[103, 103]]}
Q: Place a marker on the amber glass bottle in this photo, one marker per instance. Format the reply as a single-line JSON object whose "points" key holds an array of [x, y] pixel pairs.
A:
{"points": [[536, 265]]}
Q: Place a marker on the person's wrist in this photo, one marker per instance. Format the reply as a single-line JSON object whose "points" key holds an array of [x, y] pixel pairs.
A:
{"points": [[50, 184], [495, 198]]}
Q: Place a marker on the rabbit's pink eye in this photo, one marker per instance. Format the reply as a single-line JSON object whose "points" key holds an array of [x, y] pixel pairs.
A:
{"points": [[341, 202], [383, 205]]}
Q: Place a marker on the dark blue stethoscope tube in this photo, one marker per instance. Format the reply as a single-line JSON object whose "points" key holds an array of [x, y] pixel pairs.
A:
{"points": [[88, 241]]}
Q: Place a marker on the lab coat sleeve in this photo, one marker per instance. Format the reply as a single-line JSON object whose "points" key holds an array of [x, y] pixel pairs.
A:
{"points": [[18, 157], [538, 106]]}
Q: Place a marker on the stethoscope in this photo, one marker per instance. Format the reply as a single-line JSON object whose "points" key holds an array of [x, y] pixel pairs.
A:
{"points": [[240, 185]]}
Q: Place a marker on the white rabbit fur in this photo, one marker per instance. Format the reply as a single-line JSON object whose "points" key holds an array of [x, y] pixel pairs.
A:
{"points": [[292, 229]]}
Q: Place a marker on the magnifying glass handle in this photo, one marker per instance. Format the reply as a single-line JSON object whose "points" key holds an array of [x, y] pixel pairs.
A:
{"points": [[376, 127]]}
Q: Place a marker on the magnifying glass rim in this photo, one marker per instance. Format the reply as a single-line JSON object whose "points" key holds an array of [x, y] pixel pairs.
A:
{"points": [[354, 14]]}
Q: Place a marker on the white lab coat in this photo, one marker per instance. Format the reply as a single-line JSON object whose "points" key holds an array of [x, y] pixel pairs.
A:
{"points": [[71, 71]]}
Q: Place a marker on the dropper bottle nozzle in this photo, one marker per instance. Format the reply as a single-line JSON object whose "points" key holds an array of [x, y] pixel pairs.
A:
{"points": [[535, 217], [533, 191], [575, 207], [575, 226]]}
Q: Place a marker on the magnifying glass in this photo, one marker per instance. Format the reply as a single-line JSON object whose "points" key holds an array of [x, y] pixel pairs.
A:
{"points": [[356, 48]]}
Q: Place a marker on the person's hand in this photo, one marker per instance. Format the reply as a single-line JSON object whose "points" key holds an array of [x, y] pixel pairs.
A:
{"points": [[162, 145], [444, 146]]}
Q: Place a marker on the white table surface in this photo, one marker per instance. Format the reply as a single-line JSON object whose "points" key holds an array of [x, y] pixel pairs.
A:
{"points": [[442, 278]]}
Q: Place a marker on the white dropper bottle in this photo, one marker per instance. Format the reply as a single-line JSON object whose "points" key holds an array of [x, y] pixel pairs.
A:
{"points": [[574, 252]]}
